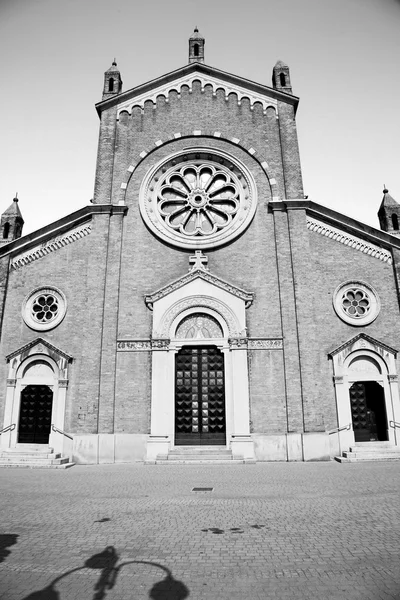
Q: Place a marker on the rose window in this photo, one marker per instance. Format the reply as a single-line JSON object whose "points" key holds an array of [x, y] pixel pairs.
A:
{"points": [[198, 199], [44, 308], [356, 303]]}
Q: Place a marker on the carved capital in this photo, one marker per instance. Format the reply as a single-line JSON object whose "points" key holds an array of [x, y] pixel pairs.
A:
{"points": [[338, 379], [393, 378], [237, 343], [63, 383], [160, 344], [11, 382]]}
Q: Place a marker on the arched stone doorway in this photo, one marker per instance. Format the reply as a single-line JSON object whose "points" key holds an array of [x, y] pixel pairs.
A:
{"points": [[36, 402], [367, 392]]}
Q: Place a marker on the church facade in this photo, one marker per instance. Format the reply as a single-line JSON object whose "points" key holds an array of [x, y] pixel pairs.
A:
{"points": [[200, 300]]}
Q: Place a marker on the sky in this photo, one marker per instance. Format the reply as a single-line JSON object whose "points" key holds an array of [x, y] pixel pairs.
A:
{"points": [[344, 59]]}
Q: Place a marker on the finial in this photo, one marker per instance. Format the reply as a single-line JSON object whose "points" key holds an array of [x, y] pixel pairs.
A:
{"points": [[196, 29], [16, 197], [114, 64], [385, 190]]}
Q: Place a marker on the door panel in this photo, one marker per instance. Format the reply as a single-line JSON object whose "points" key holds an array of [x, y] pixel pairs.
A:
{"points": [[199, 396], [35, 414]]}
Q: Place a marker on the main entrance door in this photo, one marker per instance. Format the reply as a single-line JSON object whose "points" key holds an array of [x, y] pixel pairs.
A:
{"points": [[199, 396], [35, 414], [368, 411]]}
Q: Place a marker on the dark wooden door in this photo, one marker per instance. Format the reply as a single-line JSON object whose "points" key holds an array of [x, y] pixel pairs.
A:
{"points": [[35, 414], [368, 411], [199, 396]]}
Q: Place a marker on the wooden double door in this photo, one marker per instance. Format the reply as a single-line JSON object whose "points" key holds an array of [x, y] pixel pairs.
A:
{"points": [[200, 396], [35, 414]]}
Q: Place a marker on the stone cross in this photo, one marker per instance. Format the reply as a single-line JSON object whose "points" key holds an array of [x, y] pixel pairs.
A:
{"points": [[198, 261]]}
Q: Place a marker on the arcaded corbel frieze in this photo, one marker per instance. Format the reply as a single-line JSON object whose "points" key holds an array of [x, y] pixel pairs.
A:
{"points": [[339, 235], [188, 80], [42, 250]]}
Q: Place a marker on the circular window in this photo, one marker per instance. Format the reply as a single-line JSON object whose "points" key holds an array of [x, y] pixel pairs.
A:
{"points": [[356, 303], [198, 199], [44, 308]]}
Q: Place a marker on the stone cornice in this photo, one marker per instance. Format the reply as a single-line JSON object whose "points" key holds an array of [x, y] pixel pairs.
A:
{"points": [[204, 73], [36, 342], [198, 274], [362, 336]]}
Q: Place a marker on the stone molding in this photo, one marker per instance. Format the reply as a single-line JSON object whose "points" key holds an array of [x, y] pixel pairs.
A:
{"points": [[142, 345], [41, 346], [188, 80], [347, 239], [265, 344], [21, 260], [362, 341], [256, 343], [206, 276]]}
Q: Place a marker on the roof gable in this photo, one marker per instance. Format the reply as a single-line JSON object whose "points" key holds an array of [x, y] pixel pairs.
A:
{"points": [[207, 75]]}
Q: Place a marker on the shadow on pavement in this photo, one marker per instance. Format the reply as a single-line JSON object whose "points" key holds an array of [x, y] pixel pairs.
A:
{"points": [[6, 540], [166, 589]]}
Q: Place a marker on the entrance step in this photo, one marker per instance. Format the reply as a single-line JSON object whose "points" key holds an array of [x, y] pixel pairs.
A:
{"points": [[199, 455], [370, 451], [33, 456]]}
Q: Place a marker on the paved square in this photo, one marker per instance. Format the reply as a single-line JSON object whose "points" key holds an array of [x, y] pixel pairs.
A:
{"points": [[267, 531]]}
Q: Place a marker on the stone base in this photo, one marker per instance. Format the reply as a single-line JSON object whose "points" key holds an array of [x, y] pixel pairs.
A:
{"points": [[106, 448], [292, 447]]}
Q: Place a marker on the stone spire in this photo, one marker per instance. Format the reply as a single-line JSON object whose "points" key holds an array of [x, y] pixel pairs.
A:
{"points": [[11, 223], [112, 81], [389, 214], [196, 47]]}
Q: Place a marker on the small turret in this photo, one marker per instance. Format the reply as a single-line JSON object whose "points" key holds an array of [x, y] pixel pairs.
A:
{"points": [[389, 214], [196, 47], [281, 77], [112, 81], [11, 223]]}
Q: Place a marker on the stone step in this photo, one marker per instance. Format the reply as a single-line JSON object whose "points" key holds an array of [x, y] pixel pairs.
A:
{"points": [[372, 446], [375, 457], [190, 461], [200, 457], [20, 454], [32, 465], [31, 448], [200, 450], [369, 455], [55, 459]]}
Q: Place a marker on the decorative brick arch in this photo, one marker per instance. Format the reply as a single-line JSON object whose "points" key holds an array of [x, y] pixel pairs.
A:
{"points": [[248, 149]]}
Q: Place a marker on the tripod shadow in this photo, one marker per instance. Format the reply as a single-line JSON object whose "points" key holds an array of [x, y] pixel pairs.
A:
{"points": [[168, 588], [6, 540]]}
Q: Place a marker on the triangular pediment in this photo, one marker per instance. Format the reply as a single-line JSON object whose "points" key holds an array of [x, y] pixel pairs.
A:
{"points": [[362, 341], [205, 275], [206, 75], [39, 346]]}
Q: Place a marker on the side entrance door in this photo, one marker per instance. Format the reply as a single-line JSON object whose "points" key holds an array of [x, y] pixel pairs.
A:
{"points": [[200, 396], [35, 414], [368, 411]]}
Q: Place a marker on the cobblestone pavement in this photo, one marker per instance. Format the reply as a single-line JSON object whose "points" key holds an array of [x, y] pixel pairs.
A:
{"points": [[267, 531]]}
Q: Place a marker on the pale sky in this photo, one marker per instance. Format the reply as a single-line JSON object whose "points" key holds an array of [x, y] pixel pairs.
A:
{"points": [[344, 59]]}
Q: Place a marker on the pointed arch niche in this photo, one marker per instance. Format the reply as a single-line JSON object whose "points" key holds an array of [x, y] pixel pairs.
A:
{"points": [[38, 363], [364, 359], [199, 309]]}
